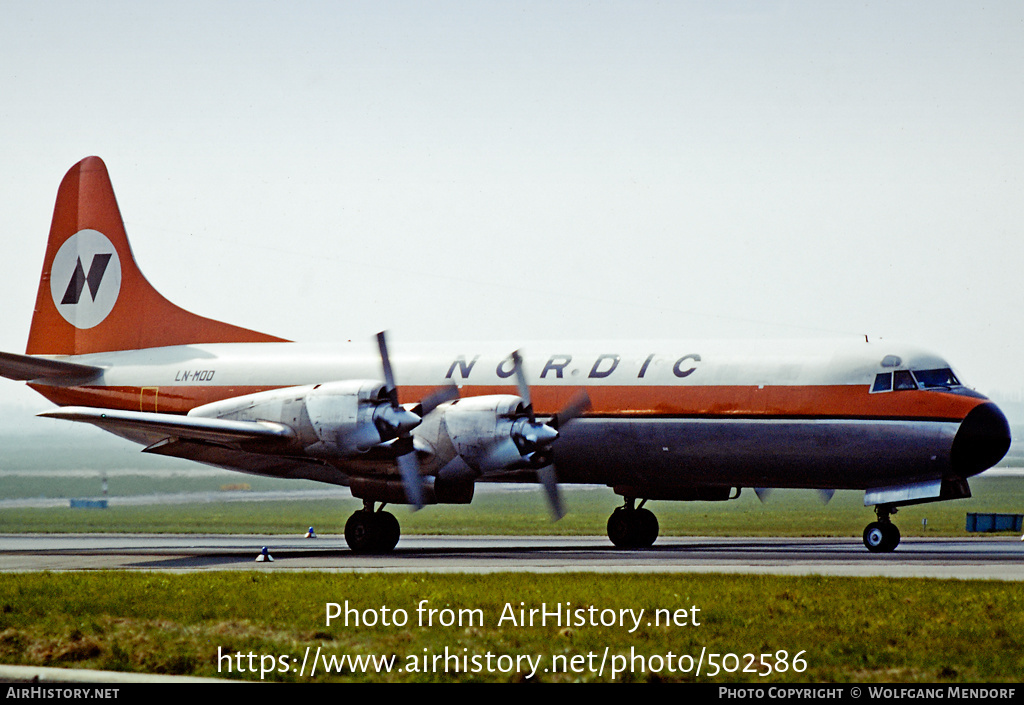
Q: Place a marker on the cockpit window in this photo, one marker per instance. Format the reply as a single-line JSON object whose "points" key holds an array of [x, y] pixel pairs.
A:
{"points": [[883, 382], [902, 379], [918, 379], [930, 379]]}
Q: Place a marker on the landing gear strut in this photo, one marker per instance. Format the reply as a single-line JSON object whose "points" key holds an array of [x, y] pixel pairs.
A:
{"points": [[369, 531], [633, 527], [882, 536]]}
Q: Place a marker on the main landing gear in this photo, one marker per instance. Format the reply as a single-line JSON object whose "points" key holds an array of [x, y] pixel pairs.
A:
{"points": [[369, 531], [633, 527], [882, 536]]}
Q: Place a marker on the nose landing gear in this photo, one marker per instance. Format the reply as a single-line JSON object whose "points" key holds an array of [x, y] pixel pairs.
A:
{"points": [[882, 536]]}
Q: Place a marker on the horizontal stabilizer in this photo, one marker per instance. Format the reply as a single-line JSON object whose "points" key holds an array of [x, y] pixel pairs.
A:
{"points": [[174, 426], [31, 368]]}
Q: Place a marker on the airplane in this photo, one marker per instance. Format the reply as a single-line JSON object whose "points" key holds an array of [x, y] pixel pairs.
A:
{"points": [[685, 420]]}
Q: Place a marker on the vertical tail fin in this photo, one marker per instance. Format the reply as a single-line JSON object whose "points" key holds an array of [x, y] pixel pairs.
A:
{"points": [[92, 296]]}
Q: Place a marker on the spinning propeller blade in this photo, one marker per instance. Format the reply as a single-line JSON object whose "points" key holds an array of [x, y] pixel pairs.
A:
{"points": [[436, 399], [543, 436], [408, 464], [579, 404], [549, 480]]}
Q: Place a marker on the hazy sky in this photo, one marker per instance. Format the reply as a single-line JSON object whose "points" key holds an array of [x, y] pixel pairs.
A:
{"points": [[525, 170]]}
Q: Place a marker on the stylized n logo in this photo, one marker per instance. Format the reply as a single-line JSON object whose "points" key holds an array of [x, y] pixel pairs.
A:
{"points": [[79, 279], [87, 259]]}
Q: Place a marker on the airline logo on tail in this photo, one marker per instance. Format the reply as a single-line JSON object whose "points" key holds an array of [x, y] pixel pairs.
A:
{"points": [[85, 278]]}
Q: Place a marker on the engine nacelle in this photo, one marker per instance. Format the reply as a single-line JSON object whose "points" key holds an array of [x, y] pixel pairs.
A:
{"points": [[484, 431], [347, 417], [332, 420]]}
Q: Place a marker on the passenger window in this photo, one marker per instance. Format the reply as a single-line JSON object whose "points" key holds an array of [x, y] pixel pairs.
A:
{"points": [[883, 382], [902, 379]]}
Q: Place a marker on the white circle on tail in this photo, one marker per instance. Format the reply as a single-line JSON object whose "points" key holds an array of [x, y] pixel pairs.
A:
{"points": [[85, 278]]}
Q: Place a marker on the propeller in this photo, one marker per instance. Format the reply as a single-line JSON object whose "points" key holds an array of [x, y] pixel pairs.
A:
{"points": [[436, 399], [395, 421], [392, 420], [535, 439]]}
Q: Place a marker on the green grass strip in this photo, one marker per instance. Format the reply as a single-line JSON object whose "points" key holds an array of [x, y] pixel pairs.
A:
{"points": [[832, 629]]}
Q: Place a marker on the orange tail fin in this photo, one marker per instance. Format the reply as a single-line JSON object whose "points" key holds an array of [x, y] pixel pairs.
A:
{"points": [[92, 296]]}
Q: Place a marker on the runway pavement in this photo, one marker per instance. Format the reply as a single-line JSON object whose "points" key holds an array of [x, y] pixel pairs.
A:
{"points": [[976, 558]]}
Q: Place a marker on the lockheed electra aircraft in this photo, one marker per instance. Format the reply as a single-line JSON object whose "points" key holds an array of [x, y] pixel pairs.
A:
{"points": [[654, 420]]}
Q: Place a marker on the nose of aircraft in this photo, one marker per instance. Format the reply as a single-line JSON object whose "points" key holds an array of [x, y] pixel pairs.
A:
{"points": [[981, 441]]}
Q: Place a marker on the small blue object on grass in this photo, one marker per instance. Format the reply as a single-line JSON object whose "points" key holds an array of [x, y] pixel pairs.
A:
{"points": [[994, 522], [88, 504]]}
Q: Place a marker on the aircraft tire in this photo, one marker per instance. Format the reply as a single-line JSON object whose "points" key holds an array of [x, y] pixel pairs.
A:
{"points": [[362, 532], [620, 528], [632, 528], [646, 528], [893, 537], [389, 529], [881, 537]]}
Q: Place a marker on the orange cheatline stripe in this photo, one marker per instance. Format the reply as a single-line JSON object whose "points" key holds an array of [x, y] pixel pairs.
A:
{"points": [[820, 401]]}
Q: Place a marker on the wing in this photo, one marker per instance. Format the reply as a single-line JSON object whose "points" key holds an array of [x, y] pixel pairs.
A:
{"points": [[161, 427], [254, 447]]}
